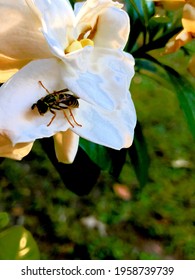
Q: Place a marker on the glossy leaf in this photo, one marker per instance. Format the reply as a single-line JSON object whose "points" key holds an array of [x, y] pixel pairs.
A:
{"points": [[186, 96], [17, 243], [137, 24], [139, 156], [106, 158], [97, 153], [148, 9], [143, 8], [153, 70]]}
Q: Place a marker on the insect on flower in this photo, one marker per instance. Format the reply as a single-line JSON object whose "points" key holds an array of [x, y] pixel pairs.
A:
{"points": [[57, 100]]}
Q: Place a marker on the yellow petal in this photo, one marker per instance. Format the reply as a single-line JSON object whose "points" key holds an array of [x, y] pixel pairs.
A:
{"points": [[86, 42], [9, 66], [6, 74], [188, 18], [191, 66], [74, 46], [177, 42], [14, 152], [66, 146]]}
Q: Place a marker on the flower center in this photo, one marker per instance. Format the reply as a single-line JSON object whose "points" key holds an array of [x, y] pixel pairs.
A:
{"points": [[78, 44]]}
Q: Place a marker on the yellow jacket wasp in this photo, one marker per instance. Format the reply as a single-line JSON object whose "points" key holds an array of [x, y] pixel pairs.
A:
{"points": [[57, 100]]}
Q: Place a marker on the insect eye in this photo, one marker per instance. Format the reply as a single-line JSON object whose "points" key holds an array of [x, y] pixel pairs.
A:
{"points": [[42, 106], [33, 106]]}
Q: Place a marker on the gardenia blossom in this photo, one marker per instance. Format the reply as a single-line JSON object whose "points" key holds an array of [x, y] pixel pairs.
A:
{"points": [[80, 51], [188, 32], [188, 23]]}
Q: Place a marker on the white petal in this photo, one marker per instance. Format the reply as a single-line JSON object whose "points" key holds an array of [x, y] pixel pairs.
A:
{"points": [[91, 9], [107, 18], [20, 37], [105, 78], [107, 113], [57, 20], [66, 146], [17, 120], [114, 129], [77, 7], [113, 29], [14, 152]]}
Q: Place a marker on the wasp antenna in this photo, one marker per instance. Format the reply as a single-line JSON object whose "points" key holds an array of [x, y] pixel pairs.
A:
{"points": [[41, 84]]}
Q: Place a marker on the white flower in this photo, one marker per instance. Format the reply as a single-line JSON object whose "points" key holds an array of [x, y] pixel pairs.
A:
{"points": [[85, 55]]}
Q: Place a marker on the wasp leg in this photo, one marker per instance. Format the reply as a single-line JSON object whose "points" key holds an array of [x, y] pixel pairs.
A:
{"points": [[41, 84], [54, 115], [74, 118], [68, 119]]}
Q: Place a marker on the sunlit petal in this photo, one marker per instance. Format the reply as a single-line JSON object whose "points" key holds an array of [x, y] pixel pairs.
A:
{"points": [[66, 146], [188, 18], [109, 24], [178, 41], [9, 66], [6, 74], [20, 37], [111, 35], [14, 152]]}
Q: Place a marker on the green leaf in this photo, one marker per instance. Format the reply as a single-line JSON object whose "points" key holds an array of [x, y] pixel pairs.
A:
{"points": [[17, 243], [106, 158], [186, 96], [153, 70], [148, 9], [97, 153], [141, 9], [139, 156], [4, 219], [139, 12]]}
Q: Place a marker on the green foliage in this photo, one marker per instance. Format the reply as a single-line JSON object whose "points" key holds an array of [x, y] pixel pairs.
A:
{"points": [[4, 219], [106, 158], [139, 156], [99, 154]]}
